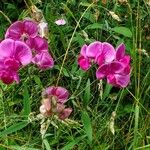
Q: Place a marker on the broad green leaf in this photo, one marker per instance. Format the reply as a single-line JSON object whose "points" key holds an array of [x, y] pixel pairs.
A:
{"points": [[87, 125], [14, 128], [87, 93], [123, 30], [95, 26], [26, 102]]}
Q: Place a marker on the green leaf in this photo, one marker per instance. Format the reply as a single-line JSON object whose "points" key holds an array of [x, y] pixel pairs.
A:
{"points": [[95, 26], [123, 30], [107, 90], [87, 93], [26, 102], [71, 144], [47, 146], [14, 128], [37, 81], [87, 125]]}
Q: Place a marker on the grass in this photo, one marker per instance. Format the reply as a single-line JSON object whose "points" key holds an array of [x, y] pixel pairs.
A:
{"points": [[91, 123]]}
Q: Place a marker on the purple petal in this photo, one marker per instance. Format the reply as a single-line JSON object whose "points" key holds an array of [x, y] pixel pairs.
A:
{"points": [[108, 52], [94, 49], [22, 52], [62, 94], [6, 48], [99, 59], [30, 28], [65, 113], [84, 63], [83, 50], [120, 51], [119, 80], [15, 30], [43, 60], [38, 44], [115, 67], [16, 50], [8, 77], [49, 91], [102, 71]]}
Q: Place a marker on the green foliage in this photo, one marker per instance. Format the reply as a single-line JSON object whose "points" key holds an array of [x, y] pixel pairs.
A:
{"points": [[89, 127]]}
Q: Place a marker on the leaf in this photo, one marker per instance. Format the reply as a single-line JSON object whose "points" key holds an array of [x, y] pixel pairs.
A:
{"points": [[37, 81], [107, 90], [95, 26], [47, 146], [71, 144], [14, 128], [123, 30], [87, 125], [87, 93], [26, 102]]}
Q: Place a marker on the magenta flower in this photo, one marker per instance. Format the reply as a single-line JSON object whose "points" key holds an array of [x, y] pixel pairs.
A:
{"points": [[22, 30], [60, 22], [53, 102], [13, 55], [83, 60], [42, 58], [96, 52], [118, 71]]}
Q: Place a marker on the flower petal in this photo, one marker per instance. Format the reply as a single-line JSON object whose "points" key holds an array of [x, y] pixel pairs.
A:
{"points": [[30, 28], [60, 22], [43, 60], [6, 48], [83, 50], [84, 63], [120, 51], [22, 52], [118, 80], [102, 71], [38, 44], [65, 113], [15, 30], [62, 94], [108, 52], [94, 49]]}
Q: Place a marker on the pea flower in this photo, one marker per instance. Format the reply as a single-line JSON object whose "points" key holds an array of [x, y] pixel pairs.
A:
{"points": [[13, 55], [22, 30], [118, 71], [96, 52], [41, 57], [60, 22], [53, 102]]}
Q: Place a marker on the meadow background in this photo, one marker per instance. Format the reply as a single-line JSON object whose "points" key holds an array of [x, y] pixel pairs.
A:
{"points": [[94, 102]]}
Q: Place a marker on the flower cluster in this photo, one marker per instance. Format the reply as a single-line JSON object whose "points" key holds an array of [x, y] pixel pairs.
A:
{"points": [[114, 65], [22, 45], [53, 102]]}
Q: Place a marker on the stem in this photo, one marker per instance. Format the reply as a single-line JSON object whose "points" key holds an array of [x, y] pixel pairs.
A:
{"points": [[60, 72]]}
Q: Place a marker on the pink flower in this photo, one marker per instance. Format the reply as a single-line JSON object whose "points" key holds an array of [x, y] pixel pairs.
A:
{"points": [[83, 60], [60, 93], [96, 52], [53, 102], [13, 54], [42, 58], [21, 30], [60, 22], [118, 71]]}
